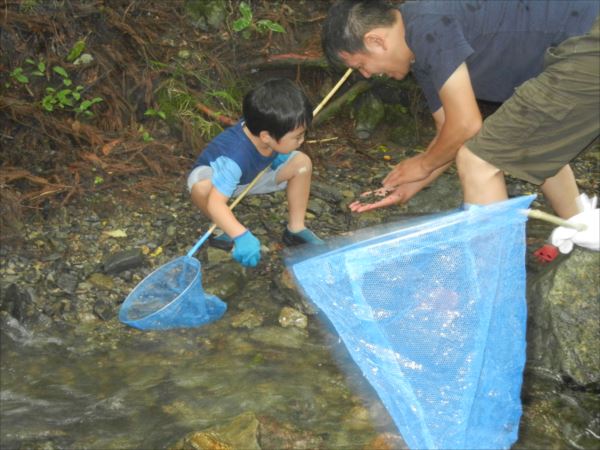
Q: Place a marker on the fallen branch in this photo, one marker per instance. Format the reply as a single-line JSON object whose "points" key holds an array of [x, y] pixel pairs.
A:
{"points": [[348, 97], [225, 120]]}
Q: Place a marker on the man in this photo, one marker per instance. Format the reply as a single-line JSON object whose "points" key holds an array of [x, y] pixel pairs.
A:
{"points": [[540, 58]]}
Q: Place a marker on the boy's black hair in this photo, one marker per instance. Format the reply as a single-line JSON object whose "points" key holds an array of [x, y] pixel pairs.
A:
{"points": [[277, 106], [347, 23]]}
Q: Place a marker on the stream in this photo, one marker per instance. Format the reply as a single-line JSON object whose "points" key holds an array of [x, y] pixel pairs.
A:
{"points": [[74, 377]]}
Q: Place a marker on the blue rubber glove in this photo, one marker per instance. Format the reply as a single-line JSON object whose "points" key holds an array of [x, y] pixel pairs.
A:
{"points": [[246, 249]]}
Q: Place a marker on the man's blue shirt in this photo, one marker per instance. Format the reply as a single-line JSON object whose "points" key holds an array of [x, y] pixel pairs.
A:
{"points": [[502, 42]]}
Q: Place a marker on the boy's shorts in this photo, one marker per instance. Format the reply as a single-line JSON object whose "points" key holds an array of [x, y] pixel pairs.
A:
{"points": [[549, 119], [267, 183]]}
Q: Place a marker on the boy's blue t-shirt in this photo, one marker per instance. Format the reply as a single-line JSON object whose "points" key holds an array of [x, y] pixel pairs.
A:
{"points": [[502, 42], [235, 160]]}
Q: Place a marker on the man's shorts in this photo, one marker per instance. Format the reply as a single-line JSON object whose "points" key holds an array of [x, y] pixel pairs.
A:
{"points": [[267, 183], [550, 119]]}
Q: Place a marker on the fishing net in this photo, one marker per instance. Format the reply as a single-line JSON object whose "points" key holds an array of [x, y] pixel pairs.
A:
{"points": [[433, 312], [171, 297]]}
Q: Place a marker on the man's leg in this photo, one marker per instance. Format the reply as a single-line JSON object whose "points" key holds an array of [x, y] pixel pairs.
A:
{"points": [[561, 191], [482, 183]]}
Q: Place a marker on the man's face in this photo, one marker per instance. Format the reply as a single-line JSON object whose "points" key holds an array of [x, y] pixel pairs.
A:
{"points": [[377, 62]]}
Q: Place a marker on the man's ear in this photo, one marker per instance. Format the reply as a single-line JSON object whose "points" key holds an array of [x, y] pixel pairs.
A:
{"points": [[375, 40]]}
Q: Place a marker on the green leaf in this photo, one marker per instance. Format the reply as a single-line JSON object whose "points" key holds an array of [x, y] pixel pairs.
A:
{"points": [[246, 11], [77, 49], [67, 82], [270, 25], [48, 102], [62, 72], [63, 97], [241, 24], [18, 75]]}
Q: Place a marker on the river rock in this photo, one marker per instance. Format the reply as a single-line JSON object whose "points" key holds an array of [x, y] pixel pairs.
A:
{"points": [[240, 433], [121, 261], [290, 317], [564, 318]]}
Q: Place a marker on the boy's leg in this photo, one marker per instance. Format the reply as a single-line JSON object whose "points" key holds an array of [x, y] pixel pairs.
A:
{"points": [[297, 172]]}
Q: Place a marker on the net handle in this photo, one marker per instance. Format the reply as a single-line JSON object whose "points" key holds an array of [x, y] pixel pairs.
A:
{"points": [[239, 198], [541, 215]]}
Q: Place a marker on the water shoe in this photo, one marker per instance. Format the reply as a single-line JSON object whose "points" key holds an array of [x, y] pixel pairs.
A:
{"points": [[221, 241], [304, 236]]}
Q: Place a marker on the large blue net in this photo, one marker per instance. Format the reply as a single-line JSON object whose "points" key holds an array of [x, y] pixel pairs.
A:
{"points": [[171, 297], [433, 312]]}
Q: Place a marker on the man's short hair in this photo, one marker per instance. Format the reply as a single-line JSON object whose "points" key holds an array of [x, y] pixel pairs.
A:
{"points": [[347, 23], [277, 106]]}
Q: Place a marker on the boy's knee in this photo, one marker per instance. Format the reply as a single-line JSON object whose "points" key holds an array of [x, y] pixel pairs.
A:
{"points": [[302, 163]]}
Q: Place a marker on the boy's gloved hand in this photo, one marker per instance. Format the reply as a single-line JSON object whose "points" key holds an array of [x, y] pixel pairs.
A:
{"points": [[246, 249], [564, 238]]}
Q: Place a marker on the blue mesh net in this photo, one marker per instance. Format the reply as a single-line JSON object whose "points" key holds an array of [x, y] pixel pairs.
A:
{"points": [[171, 297], [433, 312]]}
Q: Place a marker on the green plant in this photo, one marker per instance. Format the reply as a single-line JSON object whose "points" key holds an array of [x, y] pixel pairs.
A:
{"points": [[151, 112], [67, 98], [146, 136], [246, 23], [18, 75]]}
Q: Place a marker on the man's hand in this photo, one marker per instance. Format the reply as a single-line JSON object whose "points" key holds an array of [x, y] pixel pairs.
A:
{"points": [[400, 194], [407, 171]]}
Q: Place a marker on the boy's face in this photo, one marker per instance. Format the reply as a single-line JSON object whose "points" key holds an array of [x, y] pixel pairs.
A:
{"points": [[289, 142]]}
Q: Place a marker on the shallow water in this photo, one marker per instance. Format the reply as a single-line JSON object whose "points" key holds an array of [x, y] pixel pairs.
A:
{"points": [[148, 389], [145, 390]]}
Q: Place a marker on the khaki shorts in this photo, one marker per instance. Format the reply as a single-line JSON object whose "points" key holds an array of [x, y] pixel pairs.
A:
{"points": [[550, 119], [267, 183]]}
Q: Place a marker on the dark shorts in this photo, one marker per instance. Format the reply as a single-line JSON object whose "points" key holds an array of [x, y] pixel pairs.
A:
{"points": [[550, 119]]}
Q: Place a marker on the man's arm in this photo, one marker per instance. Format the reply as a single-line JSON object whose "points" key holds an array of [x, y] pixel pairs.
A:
{"points": [[461, 120]]}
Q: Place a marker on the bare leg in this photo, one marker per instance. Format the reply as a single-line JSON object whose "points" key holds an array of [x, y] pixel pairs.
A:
{"points": [[298, 173], [561, 191], [482, 183]]}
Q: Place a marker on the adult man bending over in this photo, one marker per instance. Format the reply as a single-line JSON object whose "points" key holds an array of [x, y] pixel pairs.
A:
{"points": [[540, 58]]}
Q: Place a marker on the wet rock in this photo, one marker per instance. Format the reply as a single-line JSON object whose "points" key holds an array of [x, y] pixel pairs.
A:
{"points": [[241, 433], [564, 312], [124, 260], [247, 319], [369, 110], [387, 441], [104, 310], [101, 281], [17, 302], [276, 435], [67, 282], [224, 281], [326, 192], [280, 337], [290, 317]]}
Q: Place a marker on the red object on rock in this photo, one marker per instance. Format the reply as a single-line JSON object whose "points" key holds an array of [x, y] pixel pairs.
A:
{"points": [[546, 253]]}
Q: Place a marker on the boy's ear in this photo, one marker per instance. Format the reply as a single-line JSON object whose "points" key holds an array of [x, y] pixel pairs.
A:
{"points": [[375, 40], [265, 137]]}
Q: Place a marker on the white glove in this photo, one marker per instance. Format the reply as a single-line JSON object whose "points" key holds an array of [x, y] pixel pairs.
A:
{"points": [[564, 237]]}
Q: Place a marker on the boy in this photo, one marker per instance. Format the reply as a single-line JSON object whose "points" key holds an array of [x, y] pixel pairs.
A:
{"points": [[276, 115], [540, 58]]}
